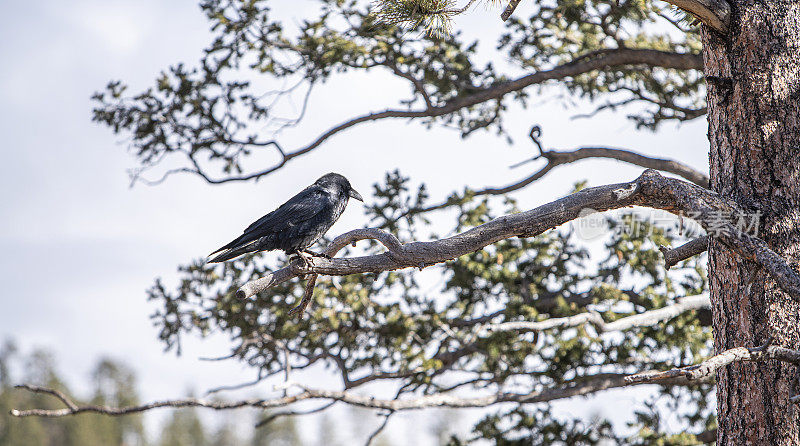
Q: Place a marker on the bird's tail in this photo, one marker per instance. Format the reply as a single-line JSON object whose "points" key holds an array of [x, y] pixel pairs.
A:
{"points": [[228, 254], [230, 251]]}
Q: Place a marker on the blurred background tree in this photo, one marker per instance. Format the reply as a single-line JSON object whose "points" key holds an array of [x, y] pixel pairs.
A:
{"points": [[115, 385]]}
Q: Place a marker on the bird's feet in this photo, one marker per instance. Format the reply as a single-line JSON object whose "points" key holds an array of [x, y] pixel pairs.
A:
{"points": [[307, 257], [308, 260], [317, 254]]}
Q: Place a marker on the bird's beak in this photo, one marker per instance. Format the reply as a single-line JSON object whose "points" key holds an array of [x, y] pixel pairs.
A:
{"points": [[356, 195]]}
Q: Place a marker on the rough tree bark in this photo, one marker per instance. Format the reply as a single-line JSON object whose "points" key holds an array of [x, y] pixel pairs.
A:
{"points": [[753, 77]]}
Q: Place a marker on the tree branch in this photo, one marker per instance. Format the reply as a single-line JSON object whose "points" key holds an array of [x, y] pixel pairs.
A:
{"points": [[645, 319], [380, 428], [589, 62], [685, 251], [418, 85], [651, 189], [293, 413], [557, 158], [308, 294], [709, 436], [579, 386], [709, 367]]}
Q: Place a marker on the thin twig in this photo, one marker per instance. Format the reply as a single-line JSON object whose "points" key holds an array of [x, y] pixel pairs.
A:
{"points": [[380, 428], [239, 386], [308, 294]]}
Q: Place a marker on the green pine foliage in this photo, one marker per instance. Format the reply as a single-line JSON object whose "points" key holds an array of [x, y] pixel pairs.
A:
{"points": [[434, 16]]}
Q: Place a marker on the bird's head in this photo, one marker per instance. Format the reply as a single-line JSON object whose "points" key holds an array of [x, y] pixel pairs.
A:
{"points": [[334, 180]]}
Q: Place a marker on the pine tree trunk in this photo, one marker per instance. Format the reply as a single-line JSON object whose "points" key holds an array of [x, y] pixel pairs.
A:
{"points": [[754, 130]]}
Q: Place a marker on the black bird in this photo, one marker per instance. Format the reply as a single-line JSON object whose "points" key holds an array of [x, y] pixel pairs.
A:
{"points": [[296, 224]]}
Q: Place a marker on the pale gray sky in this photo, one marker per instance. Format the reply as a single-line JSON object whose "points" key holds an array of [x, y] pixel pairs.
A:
{"points": [[81, 246]]}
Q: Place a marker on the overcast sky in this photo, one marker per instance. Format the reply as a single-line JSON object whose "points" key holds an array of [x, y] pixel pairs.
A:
{"points": [[81, 246]]}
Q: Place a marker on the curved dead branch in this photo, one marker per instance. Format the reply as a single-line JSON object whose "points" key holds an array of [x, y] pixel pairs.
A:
{"points": [[593, 61], [557, 158], [651, 189], [583, 385], [580, 386]]}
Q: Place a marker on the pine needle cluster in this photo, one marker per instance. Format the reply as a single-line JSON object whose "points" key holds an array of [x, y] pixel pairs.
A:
{"points": [[433, 16]]}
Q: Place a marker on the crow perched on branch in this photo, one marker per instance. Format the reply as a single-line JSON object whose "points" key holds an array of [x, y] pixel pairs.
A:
{"points": [[296, 224]]}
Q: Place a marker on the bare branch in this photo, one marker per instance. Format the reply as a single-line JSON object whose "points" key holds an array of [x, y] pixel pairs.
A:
{"points": [[282, 275], [595, 60], [709, 367], [685, 251], [646, 319], [53, 392], [227, 388], [711, 211], [583, 385], [557, 158]]}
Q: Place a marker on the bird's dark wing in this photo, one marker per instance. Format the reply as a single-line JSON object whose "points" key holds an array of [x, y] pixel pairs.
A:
{"points": [[302, 207]]}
